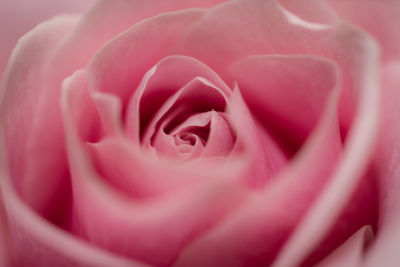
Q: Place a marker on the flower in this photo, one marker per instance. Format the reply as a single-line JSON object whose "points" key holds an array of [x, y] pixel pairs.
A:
{"points": [[203, 133]]}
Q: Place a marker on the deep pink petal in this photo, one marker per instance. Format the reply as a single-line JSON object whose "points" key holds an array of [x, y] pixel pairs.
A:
{"points": [[4, 243], [349, 254], [159, 83], [254, 233], [198, 95], [378, 18], [286, 93], [263, 157]]}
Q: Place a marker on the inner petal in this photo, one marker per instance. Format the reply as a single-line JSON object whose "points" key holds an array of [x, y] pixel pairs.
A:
{"points": [[196, 97], [202, 134]]}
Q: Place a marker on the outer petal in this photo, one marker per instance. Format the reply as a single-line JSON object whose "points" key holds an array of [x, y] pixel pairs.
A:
{"points": [[20, 16], [4, 244], [22, 87], [384, 249], [288, 102], [120, 65], [37, 243], [359, 146], [100, 24], [379, 18]]}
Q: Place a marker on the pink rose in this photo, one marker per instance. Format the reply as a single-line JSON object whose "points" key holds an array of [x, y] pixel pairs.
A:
{"points": [[204, 133]]}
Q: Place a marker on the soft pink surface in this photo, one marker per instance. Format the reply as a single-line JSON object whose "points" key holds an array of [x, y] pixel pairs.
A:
{"points": [[387, 159], [17, 17], [233, 134]]}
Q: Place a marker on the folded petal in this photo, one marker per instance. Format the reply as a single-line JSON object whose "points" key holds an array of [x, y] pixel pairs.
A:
{"points": [[350, 254], [120, 65], [160, 83], [253, 234], [287, 94], [359, 146], [100, 25], [99, 208], [43, 244], [312, 11], [264, 159], [237, 29]]}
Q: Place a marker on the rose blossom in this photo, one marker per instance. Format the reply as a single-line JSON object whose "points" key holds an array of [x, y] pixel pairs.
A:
{"points": [[203, 133]]}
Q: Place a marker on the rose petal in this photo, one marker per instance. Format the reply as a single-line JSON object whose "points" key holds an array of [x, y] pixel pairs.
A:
{"points": [[383, 250], [221, 138], [376, 17], [312, 11], [4, 243], [110, 112], [286, 93], [42, 243], [253, 234], [264, 158], [120, 65], [100, 25], [161, 82], [99, 209], [84, 116], [51, 165], [349, 254], [19, 18], [353, 216], [198, 95], [263, 27], [22, 88], [356, 156]]}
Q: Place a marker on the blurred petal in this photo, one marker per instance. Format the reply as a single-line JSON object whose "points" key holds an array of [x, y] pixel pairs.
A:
{"points": [[349, 254], [21, 91], [311, 10], [21, 16], [359, 145], [384, 250], [379, 18]]}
